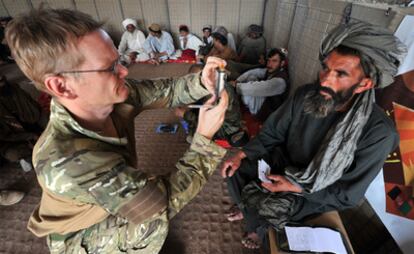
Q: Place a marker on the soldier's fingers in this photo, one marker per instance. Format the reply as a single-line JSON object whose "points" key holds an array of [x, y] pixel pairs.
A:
{"points": [[216, 61]]}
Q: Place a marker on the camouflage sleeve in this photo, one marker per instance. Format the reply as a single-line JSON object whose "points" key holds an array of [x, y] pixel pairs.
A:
{"points": [[168, 92], [194, 169], [100, 176]]}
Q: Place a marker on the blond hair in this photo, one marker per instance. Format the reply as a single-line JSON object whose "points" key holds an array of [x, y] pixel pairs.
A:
{"points": [[43, 42]]}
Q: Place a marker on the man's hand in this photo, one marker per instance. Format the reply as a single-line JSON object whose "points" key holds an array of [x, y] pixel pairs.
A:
{"points": [[208, 76], [232, 164], [154, 61], [211, 118], [280, 183]]}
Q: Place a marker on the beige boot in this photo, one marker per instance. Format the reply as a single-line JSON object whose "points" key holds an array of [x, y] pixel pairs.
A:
{"points": [[8, 197]]}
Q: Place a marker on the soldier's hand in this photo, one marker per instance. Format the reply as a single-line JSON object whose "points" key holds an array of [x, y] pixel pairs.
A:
{"points": [[211, 118], [208, 76], [231, 164]]}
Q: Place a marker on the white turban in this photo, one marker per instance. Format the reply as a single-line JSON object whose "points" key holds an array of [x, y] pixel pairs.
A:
{"points": [[127, 22]]}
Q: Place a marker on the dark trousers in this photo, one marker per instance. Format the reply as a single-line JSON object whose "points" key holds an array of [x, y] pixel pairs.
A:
{"points": [[235, 184]]}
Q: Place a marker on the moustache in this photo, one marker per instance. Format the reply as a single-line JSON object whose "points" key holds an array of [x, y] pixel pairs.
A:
{"points": [[329, 91]]}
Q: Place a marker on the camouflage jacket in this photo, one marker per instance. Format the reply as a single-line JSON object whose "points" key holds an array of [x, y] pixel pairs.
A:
{"points": [[90, 182]]}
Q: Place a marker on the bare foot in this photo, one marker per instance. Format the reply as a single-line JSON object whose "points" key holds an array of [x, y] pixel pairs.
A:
{"points": [[234, 214], [251, 241]]}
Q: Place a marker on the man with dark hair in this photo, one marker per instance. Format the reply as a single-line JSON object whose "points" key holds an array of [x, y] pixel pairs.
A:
{"points": [[207, 39], [159, 44], [220, 45], [94, 199], [208, 42], [326, 143], [188, 41], [263, 90]]}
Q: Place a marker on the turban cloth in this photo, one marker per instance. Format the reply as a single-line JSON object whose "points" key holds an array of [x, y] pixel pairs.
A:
{"points": [[381, 52]]}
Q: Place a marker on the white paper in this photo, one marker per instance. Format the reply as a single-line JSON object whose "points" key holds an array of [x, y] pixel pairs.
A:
{"points": [[405, 33], [264, 170], [315, 239]]}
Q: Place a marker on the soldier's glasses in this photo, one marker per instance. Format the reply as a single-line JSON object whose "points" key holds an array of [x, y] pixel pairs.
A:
{"points": [[113, 68]]}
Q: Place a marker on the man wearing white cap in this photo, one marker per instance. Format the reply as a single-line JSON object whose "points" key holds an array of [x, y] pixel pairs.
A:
{"points": [[132, 41]]}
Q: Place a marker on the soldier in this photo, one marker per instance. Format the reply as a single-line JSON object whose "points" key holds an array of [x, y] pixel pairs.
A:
{"points": [[94, 199]]}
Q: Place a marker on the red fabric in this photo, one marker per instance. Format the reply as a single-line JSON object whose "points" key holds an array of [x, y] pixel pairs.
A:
{"points": [[187, 56], [223, 143], [253, 124]]}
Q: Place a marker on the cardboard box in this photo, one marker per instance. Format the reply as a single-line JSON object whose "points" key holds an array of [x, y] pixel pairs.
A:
{"points": [[329, 219]]}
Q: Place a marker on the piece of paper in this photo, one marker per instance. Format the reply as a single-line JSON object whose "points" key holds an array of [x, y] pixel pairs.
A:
{"points": [[405, 33], [317, 239], [264, 170]]}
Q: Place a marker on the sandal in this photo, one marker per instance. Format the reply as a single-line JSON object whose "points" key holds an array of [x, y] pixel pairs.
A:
{"points": [[250, 243]]}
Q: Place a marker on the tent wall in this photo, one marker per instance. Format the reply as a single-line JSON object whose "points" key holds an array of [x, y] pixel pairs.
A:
{"points": [[298, 25]]}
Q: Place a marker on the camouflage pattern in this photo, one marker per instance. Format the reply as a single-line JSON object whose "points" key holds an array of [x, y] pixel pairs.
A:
{"points": [[232, 121], [82, 165]]}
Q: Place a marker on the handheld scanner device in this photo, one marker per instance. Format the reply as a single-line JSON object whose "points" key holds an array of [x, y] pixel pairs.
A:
{"points": [[221, 77]]}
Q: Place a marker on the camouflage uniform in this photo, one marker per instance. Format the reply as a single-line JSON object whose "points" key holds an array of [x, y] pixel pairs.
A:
{"points": [[81, 168]]}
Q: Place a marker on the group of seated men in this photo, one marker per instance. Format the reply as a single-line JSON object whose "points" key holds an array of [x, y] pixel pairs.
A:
{"points": [[262, 87], [324, 145], [159, 45]]}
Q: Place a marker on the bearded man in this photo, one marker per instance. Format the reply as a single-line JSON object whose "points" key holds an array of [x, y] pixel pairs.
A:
{"points": [[326, 143]]}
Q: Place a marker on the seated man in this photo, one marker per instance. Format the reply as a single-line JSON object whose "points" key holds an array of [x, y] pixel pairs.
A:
{"points": [[220, 45], [132, 41], [252, 48], [159, 44], [326, 143], [264, 89], [189, 43], [207, 41], [20, 127], [94, 198]]}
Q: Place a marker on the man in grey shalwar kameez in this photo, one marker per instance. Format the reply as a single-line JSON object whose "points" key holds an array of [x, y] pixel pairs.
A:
{"points": [[326, 143]]}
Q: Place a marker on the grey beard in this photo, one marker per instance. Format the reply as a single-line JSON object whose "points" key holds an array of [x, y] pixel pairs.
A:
{"points": [[317, 105]]}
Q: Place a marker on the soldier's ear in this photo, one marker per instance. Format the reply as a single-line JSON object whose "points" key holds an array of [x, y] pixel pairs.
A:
{"points": [[58, 87]]}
